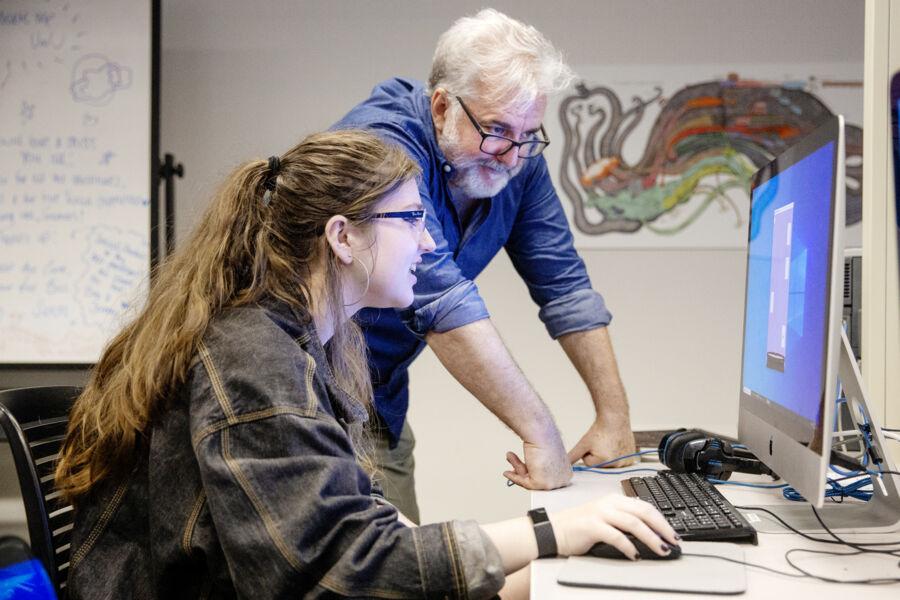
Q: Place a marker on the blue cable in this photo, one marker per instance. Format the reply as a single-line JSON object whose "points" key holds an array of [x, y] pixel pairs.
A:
{"points": [[745, 484], [617, 459], [850, 490], [597, 468], [838, 490], [854, 490], [842, 472], [609, 472]]}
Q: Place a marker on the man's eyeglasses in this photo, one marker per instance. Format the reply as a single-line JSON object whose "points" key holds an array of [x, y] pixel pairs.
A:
{"points": [[497, 145], [416, 218]]}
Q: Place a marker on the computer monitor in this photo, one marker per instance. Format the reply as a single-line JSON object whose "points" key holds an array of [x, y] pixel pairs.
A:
{"points": [[895, 144], [790, 351], [894, 326], [794, 349]]}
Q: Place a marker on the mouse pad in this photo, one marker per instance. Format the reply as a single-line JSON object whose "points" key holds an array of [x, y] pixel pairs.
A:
{"points": [[688, 574]]}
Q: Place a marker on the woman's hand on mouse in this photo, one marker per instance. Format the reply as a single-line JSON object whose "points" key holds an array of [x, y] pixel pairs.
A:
{"points": [[607, 520]]}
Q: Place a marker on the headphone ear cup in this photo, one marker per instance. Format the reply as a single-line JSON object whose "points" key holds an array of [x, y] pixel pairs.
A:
{"points": [[673, 450], [664, 442]]}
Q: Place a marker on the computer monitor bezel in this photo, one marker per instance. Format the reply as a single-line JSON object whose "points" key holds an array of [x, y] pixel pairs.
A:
{"points": [[895, 153], [762, 426], [895, 161]]}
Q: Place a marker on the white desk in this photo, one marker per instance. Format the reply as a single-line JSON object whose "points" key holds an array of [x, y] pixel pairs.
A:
{"points": [[769, 552]]}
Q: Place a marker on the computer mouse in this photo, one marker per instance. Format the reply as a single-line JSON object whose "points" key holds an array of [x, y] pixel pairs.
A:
{"points": [[604, 550]]}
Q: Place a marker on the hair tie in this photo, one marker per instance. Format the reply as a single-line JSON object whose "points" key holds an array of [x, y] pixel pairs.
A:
{"points": [[270, 183]]}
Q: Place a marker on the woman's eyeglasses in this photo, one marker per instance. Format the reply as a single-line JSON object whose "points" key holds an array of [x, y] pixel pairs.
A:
{"points": [[416, 218]]}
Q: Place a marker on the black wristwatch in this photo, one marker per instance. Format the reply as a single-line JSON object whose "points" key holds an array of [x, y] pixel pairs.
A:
{"points": [[543, 532]]}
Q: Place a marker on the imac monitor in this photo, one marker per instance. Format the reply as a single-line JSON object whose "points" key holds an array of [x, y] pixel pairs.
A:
{"points": [[895, 144], [793, 305]]}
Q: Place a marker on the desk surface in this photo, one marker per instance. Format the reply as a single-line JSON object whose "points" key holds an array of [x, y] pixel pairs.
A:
{"points": [[769, 552]]}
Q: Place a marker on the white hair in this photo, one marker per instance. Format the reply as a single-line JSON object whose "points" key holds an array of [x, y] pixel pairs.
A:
{"points": [[497, 60]]}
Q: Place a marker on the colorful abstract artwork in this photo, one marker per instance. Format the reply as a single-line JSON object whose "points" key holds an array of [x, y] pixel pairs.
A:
{"points": [[670, 165]]}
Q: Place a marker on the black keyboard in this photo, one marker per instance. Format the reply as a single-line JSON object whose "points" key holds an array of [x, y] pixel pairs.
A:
{"points": [[694, 508]]}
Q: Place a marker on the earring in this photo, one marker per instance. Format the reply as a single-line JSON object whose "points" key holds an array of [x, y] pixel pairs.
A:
{"points": [[368, 280]]}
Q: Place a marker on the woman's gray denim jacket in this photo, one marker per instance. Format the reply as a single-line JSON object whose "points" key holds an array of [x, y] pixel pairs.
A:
{"points": [[248, 487]]}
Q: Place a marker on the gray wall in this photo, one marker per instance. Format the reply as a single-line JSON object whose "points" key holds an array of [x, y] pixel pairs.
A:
{"points": [[243, 79]]}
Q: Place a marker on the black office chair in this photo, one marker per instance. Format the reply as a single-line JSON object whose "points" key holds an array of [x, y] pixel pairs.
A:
{"points": [[34, 421]]}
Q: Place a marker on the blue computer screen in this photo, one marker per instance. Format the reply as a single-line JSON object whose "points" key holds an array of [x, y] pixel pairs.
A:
{"points": [[896, 145], [787, 284]]}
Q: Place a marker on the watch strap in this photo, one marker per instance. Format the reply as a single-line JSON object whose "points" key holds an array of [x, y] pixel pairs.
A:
{"points": [[543, 533]]}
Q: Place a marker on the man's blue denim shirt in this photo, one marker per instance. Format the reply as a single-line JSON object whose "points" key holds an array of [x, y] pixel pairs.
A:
{"points": [[526, 218]]}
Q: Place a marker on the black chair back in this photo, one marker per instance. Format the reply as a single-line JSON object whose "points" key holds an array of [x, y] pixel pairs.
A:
{"points": [[34, 421]]}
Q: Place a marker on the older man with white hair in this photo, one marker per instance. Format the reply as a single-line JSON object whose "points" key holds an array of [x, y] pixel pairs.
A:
{"points": [[477, 131]]}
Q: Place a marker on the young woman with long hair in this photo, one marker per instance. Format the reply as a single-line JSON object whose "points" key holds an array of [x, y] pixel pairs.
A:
{"points": [[218, 450]]}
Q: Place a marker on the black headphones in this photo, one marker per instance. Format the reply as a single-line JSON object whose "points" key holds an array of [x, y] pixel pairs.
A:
{"points": [[694, 451]]}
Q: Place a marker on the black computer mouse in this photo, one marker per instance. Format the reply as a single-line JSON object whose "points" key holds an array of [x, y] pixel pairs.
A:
{"points": [[604, 550]]}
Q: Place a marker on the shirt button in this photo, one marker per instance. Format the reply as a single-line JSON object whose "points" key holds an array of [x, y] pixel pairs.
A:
{"points": [[447, 168]]}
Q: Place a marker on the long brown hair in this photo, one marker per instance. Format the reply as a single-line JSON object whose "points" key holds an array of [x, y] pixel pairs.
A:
{"points": [[243, 249]]}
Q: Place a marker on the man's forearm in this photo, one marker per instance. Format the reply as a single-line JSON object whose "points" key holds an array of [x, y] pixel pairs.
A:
{"points": [[476, 356], [592, 355], [609, 440]]}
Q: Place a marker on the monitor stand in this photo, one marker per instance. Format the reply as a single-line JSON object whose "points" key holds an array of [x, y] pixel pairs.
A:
{"points": [[881, 514]]}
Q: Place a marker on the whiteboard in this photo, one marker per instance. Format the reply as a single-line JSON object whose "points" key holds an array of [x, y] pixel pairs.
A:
{"points": [[75, 174]]}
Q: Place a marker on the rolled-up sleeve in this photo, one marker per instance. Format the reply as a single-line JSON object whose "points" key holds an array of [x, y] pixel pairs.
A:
{"points": [[578, 311], [542, 250]]}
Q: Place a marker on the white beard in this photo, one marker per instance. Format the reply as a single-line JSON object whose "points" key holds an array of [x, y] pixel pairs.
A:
{"points": [[468, 179]]}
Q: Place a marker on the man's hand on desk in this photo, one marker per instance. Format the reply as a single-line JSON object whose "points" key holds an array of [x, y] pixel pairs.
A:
{"points": [[604, 442], [545, 467]]}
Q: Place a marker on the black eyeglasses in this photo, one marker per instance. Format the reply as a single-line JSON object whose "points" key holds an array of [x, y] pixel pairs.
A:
{"points": [[416, 218], [497, 145]]}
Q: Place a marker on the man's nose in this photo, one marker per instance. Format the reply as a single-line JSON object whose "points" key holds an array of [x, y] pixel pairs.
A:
{"points": [[510, 159]]}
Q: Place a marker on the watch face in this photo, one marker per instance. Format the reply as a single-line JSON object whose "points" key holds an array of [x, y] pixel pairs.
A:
{"points": [[538, 515]]}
